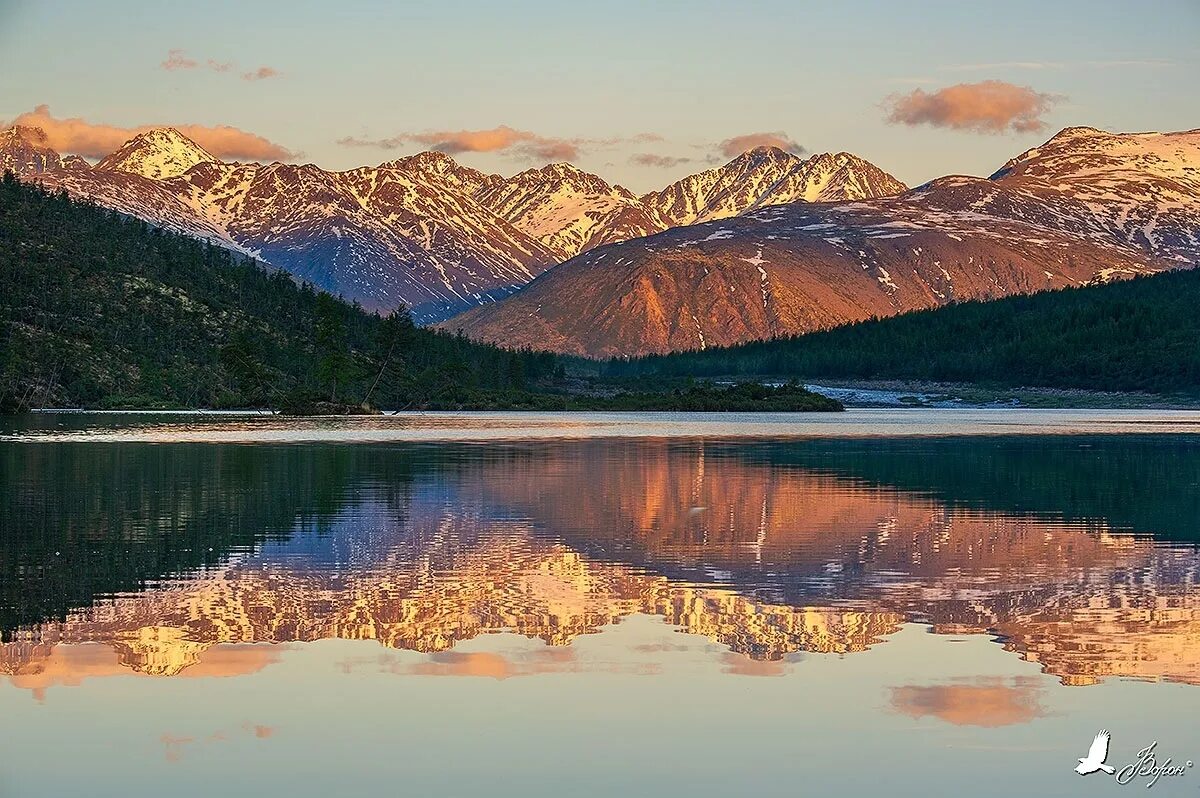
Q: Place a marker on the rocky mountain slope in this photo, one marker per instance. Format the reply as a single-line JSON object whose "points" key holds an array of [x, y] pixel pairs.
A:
{"points": [[569, 210], [1086, 206], [769, 176], [422, 230]]}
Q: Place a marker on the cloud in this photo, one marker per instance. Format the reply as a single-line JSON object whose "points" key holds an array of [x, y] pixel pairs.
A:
{"points": [[743, 665], [521, 143], [658, 161], [96, 140], [262, 73], [735, 146], [1039, 65], [178, 60], [495, 666], [989, 703], [991, 106]]}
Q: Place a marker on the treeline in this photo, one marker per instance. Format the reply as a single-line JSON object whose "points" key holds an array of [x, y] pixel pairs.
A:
{"points": [[98, 309], [1133, 335]]}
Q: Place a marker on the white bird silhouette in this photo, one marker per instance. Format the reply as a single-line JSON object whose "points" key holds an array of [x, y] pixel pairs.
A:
{"points": [[1095, 756]]}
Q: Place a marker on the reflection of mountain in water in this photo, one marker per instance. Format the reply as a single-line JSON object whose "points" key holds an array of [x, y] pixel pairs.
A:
{"points": [[767, 549]]}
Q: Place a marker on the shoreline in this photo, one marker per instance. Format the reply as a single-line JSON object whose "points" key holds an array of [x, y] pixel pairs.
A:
{"points": [[918, 394]]}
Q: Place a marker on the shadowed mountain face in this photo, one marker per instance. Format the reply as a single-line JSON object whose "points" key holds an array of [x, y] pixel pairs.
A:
{"points": [[766, 548], [422, 230], [1086, 206]]}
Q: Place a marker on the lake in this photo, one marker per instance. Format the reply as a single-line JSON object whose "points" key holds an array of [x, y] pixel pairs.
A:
{"points": [[877, 602]]}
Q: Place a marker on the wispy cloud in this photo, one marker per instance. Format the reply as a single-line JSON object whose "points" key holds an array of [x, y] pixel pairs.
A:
{"points": [[991, 106], [95, 140], [1040, 65], [522, 144], [735, 146], [262, 73], [657, 161], [178, 60]]}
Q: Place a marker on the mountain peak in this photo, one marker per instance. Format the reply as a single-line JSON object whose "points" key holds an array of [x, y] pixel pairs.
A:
{"points": [[562, 176], [26, 133], [159, 153], [443, 169], [429, 160], [562, 168], [763, 155], [24, 151]]}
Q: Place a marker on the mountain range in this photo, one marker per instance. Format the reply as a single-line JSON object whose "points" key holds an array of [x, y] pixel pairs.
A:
{"points": [[422, 230], [1087, 206]]}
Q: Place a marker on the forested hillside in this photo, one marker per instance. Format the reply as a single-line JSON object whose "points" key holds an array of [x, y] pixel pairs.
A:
{"points": [[1134, 335], [102, 310]]}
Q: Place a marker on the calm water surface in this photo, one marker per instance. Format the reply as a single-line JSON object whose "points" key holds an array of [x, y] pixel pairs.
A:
{"points": [[919, 602]]}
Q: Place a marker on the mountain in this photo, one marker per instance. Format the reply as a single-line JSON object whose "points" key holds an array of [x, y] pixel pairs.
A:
{"points": [[24, 151], [101, 310], [1086, 206], [1140, 188], [380, 235], [769, 176], [569, 210], [157, 154], [1127, 335], [422, 230]]}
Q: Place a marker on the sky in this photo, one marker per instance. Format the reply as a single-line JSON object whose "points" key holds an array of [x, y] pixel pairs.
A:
{"points": [[640, 93]]}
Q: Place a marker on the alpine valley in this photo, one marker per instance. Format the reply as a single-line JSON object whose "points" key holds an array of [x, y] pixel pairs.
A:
{"points": [[423, 230], [1085, 207]]}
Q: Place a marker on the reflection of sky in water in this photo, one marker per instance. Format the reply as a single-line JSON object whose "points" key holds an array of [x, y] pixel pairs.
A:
{"points": [[637, 709], [652, 618]]}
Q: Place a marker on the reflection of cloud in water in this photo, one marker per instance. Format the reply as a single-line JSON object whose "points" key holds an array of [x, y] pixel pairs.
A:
{"points": [[742, 665], [984, 702], [39, 667], [174, 746]]}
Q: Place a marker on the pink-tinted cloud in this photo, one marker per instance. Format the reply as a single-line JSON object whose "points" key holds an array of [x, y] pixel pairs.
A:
{"points": [[179, 60], [176, 59], [743, 665], [262, 73], [991, 702], [522, 143], [657, 161], [990, 106], [735, 146], [95, 140]]}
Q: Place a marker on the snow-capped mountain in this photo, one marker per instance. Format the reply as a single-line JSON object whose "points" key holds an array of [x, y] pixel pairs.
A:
{"points": [[23, 151], [421, 230], [1086, 206], [160, 153], [1143, 188], [381, 235], [569, 210], [769, 176]]}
